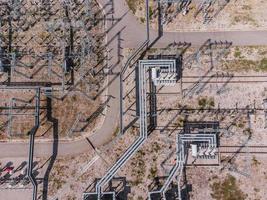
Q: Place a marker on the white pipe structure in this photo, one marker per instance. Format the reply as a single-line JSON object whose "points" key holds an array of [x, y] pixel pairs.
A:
{"points": [[169, 1], [180, 160], [143, 66], [140, 140], [134, 147], [31, 145]]}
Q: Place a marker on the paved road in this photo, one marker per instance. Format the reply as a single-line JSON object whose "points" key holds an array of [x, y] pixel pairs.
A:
{"points": [[127, 32]]}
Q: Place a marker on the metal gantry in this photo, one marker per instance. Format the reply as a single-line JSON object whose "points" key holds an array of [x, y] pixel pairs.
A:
{"points": [[17, 107], [205, 8], [1, 49], [135, 146], [16, 49], [182, 6], [70, 132], [142, 119], [210, 52], [143, 67], [164, 5]]}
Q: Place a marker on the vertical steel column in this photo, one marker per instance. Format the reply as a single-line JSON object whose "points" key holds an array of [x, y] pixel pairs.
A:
{"points": [[31, 145], [49, 56], [265, 112], [1, 51], [64, 66], [121, 104], [10, 117], [147, 19], [12, 64], [145, 44]]}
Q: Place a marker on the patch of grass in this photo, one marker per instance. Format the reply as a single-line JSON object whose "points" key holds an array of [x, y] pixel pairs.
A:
{"points": [[246, 65], [153, 172], [202, 102], [241, 124], [237, 53], [70, 197], [247, 132], [138, 168], [74, 98], [205, 102], [152, 50], [263, 64], [227, 190], [255, 162], [133, 130], [246, 7], [139, 198], [155, 147], [116, 131], [150, 13], [244, 19], [179, 122], [211, 102], [58, 183], [262, 52], [133, 5]]}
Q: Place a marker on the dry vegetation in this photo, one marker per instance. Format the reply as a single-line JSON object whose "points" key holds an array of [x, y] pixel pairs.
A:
{"points": [[227, 189], [246, 59]]}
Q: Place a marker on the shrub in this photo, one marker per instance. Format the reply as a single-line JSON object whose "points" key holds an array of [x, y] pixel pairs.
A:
{"points": [[227, 190]]}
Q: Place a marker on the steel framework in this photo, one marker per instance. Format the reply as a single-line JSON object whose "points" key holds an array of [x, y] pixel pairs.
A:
{"points": [[15, 110], [138, 142], [143, 67], [15, 52], [31, 145]]}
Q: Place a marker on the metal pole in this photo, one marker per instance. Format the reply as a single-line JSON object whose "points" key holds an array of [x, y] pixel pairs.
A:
{"points": [[147, 19], [121, 104], [10, 117], [49, 63], [31, 146], [12, 64]]}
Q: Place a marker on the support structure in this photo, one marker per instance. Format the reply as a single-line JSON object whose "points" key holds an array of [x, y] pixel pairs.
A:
{"points": [[143, 67], [132, 61], [70, 132], [134, 147], [181, 6], [13, 112], [71, 28], [31, 145], [265, 112]]}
